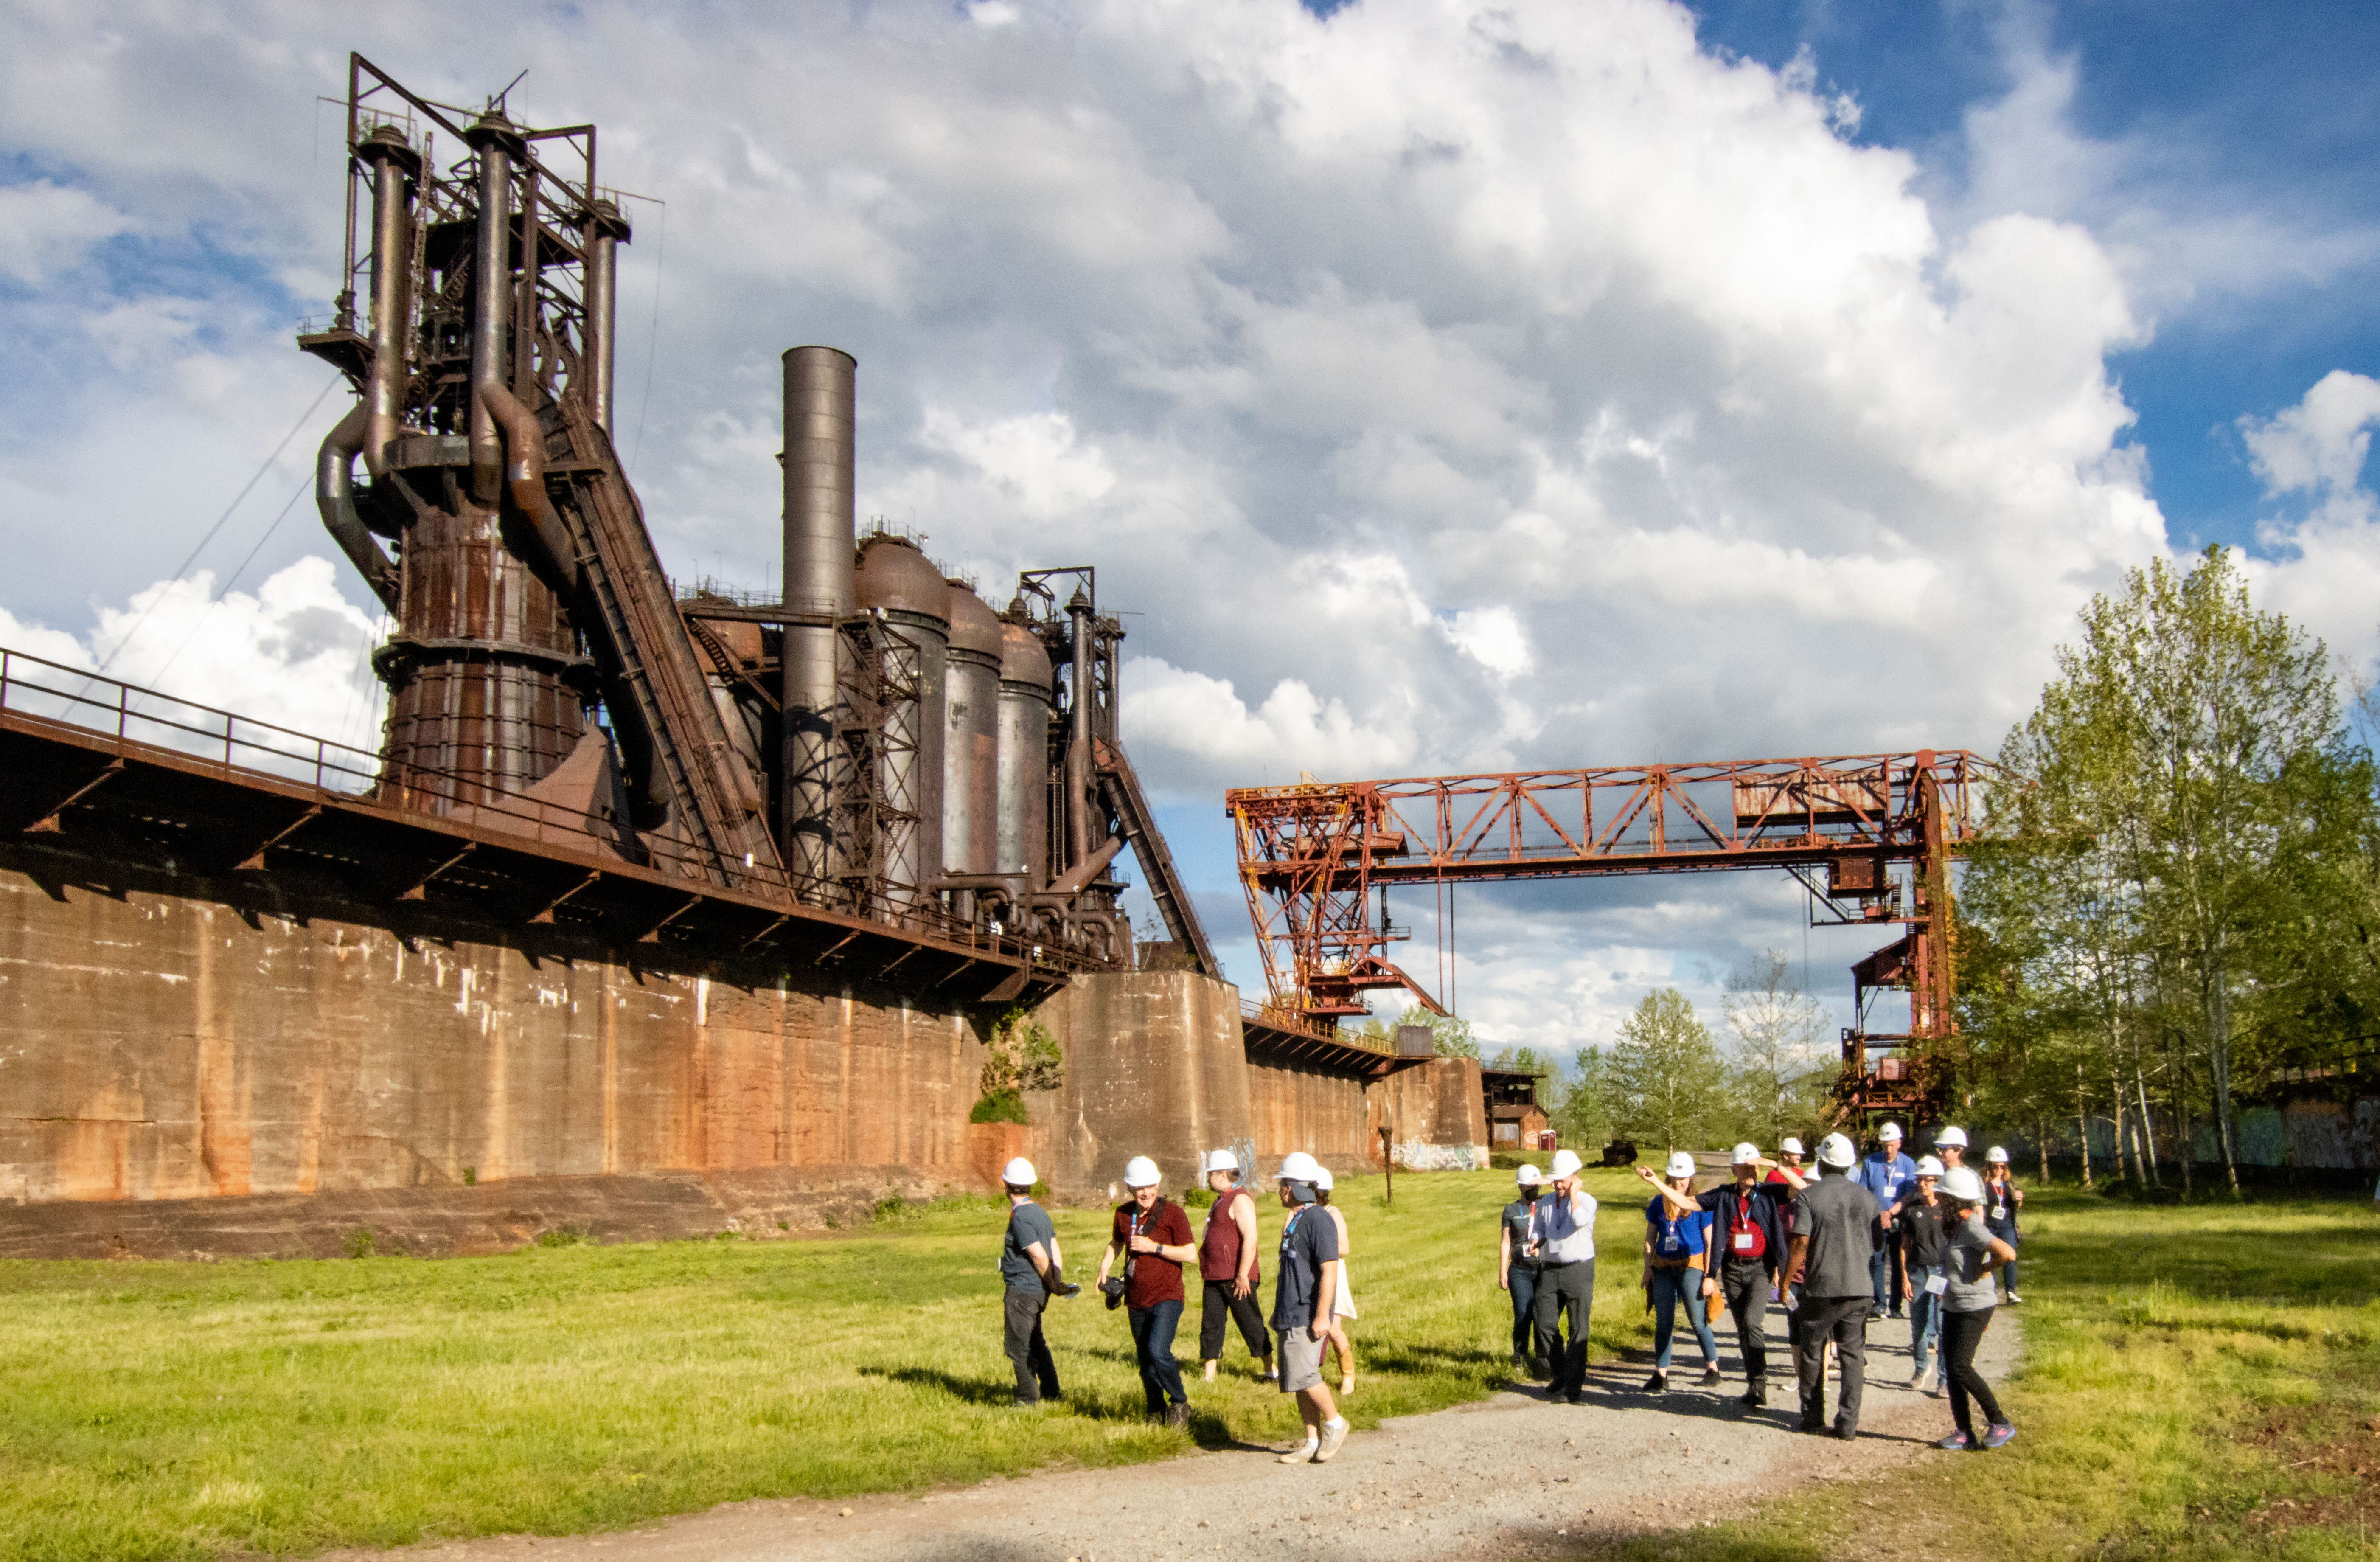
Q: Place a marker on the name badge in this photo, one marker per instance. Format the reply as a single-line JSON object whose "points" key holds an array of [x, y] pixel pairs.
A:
{"points": [[1937, 1285], [1999, 1212], [1743, 1241]]}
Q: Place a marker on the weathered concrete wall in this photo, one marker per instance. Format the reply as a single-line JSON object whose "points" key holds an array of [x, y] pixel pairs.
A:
{"points": [[1304, 1109], [1436, 1115]]}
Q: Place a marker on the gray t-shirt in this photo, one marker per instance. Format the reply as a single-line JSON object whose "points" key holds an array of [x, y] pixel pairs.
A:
{"points": [[1839, 1216], [1971, 1290], [1027, 1224]]}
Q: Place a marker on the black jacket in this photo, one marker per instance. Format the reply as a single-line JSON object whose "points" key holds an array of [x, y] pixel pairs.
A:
{"points": [[1767, 1212]]}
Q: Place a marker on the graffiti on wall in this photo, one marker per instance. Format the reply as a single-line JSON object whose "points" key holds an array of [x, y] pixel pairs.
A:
{"points": [[1418, 1155]]}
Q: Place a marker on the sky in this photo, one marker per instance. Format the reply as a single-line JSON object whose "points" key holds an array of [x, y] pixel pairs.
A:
{"points": [[1440, 387]]}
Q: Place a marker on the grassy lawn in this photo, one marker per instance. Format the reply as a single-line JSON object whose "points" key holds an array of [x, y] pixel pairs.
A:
{"points": [[178, 1409], [2200, 1382]]}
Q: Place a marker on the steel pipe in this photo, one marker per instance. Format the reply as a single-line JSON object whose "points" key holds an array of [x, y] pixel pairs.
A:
{"points": [[821, 534], [1077, 823], [497, 143], [334, 496], [606, 231], [1022, 835], [395, 167]]}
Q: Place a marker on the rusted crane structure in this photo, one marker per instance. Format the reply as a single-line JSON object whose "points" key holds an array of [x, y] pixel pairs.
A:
{"points": [[1872, 836]]}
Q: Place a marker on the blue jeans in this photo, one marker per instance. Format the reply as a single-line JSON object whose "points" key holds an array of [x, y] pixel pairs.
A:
{"points": [[1152, 1346], [1884, 1277], [1525, 1299], [1671, 1287], [1924, 1317]]}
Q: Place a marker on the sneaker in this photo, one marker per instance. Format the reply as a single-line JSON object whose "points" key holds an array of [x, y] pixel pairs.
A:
{"points": [[2014, 1299], [1999, 1436], [1710, 1374], [1956, 1442], [1657, 1384], [1934, 1390], [1917, 1379], [1847, 1433], [1896, 1313], [1178, 1416], [1302, 1454], [1875, 1315], [1756, 1395], [1333, 1439], [1025, 1404]]}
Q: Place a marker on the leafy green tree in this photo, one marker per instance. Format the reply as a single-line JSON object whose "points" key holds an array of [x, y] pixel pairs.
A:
{"points": [[1581, 1108], [1667, 1080], [1777, 1039]]}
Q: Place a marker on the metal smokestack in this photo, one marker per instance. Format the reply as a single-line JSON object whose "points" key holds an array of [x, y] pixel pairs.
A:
{"points": [[606, 231], [821, 536], [491, 266], [395, 167], [1078, 740]]}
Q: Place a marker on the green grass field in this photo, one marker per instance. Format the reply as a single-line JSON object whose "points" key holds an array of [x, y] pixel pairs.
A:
{"points": [[2191, 1371]]}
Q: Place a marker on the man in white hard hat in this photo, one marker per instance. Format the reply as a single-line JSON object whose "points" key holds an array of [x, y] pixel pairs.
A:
{"points": [[1562, 1236], [1033, 1271], [1834, 1231], [1950, 1145], [1788, 1159], [1748, 1230], [1886, 1175], [1152, 1235], [1517, 1272], [1227, 1269], [1304, 1295]]}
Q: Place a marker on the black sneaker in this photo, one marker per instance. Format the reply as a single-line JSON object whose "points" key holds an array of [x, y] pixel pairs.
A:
{"points": [[1657, 1384], [1896, 1313], [1756, 1395], [1711, 1378], [1178, 1416]]}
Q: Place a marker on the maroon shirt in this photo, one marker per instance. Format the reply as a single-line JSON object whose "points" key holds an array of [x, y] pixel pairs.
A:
{"points": [[1219, 1249], [1153, 1278]]}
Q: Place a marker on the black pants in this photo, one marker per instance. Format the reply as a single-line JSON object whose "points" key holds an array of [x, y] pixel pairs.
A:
{"points": [[1152, 1347], [1219, 1307], [1565, 1288], [1744, 1283], [1843, 1320], [1962, 1332], [1037, 1374]]}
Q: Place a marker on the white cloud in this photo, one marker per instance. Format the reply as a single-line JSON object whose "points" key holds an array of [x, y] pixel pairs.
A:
{"points": [[45, 228], [2322, 441]]}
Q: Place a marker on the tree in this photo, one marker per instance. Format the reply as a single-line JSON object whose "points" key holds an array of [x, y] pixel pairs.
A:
{"points": [[1450, 1035], [1776, 1032], [1581, 1110], [1667, 1083]]}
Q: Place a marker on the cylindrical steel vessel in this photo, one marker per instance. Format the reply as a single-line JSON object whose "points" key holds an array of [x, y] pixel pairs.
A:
{"points": [[820, 525], [492, 295], [606, 231], [1023, 756], [912, 601], [971, 737], [394, 165]]}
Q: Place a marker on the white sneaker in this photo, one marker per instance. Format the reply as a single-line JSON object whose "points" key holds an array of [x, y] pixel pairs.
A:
{"points": [[1333, 1439], [1299, 1455]]}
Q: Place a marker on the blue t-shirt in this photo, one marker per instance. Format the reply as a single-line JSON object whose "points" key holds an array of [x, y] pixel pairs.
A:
{"points": [[1308, 1240], [1887, 1178], [1675, 1236]]}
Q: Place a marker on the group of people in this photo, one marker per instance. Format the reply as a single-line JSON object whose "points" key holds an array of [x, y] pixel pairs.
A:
{"points": [[1151, 1236], [1833, 1251]]}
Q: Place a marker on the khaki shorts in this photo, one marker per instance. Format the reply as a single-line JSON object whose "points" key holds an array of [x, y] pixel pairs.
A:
{"points": [[1301, 1359]]}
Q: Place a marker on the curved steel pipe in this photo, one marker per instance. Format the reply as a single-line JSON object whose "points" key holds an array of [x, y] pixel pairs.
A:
{"points": [[492, 296], [393, 169], [334, 496]]}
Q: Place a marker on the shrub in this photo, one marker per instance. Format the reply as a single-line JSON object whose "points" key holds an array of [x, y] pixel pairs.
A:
{"points": [[1024, 1056], [999, 1106]]}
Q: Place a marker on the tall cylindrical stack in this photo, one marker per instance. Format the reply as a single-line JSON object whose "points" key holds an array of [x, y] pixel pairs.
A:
{"points": [[911, 601], [971, 737], [606, 231], [820, 537], [1023, 838]]}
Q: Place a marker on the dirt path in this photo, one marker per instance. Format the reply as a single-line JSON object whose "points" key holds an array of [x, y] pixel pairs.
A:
{"points": [[1512, 1476]]}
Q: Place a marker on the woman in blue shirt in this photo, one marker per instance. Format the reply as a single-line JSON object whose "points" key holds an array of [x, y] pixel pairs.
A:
{"points": [[1677, 1272]]}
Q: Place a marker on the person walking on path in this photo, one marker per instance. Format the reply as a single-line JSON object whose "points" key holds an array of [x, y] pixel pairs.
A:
{"points": [[1227, 1269], [2002, 1198], [1152, 1235], [1676, 1268], [1917, 1224], [1032, 1271], [1516, 1272], [1972, 1253], [1561, 1235], [1886, 1174], [1302, 1291], [1748, 1220], [1343, 1296], [1834, 1230]]}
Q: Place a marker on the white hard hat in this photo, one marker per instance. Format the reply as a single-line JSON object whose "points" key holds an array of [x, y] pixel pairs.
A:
{"points": [[1222, 1161], [1952, 1136], [1529, 1178], [1836, 1151], [1299, 1166], [1963, 1185], [1996, 1156], [1566, 1163], [1928, 1165], [1744, 1154], [1790, 1147], [1681, 1164], [1018, 1173], [1322, 1178], [1140, 1172], [1889, 1131]]}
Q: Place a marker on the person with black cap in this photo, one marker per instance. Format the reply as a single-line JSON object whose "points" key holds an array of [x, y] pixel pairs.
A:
{"points": [[1748, 1218], [1516, 1272], [1834, 1222]]}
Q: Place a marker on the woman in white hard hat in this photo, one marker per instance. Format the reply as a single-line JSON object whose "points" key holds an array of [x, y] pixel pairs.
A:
{"points": [[1228, 1270], [1677, 1269], [1304, 1279], [1517, 1272], [1917, 1224], [1747, 1244], [2002, 1198], [1343, 1298], [1561, 1235], [1031, 1271], [1152, 1235], [1967, 1297]]}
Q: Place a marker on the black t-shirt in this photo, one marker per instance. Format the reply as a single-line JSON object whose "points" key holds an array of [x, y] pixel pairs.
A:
{"points": [[1919, 1228], [1516, 1226], [1308, 1240]]}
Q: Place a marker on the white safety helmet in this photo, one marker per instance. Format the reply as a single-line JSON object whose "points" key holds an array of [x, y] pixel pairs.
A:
{"points": [[1140, 1172], [1018, 1173], [1566, 1163], [1681, 1164], [1928, 1165], [1790, 1147], [1957, 1137], [1529, 1176], [1996, 1156], [1322, 1178], [1836, 1151], [1744, 1154], [1963, 1185], [1299, 1166], [1222, 1161], [1890, 1131]]}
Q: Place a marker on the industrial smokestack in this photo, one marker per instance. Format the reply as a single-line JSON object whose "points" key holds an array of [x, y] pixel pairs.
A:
{"points": [[1022, 763], [395, 167], [498, 143], [1078, 740], [820, 535], [911, 602], [606, 231]]}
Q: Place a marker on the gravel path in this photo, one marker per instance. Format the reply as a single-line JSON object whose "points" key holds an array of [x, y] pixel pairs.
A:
{"points": [[1513, 1476]]}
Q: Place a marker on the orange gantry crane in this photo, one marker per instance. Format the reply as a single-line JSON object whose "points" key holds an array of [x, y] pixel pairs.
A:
{"points": [[1871, 835]]}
